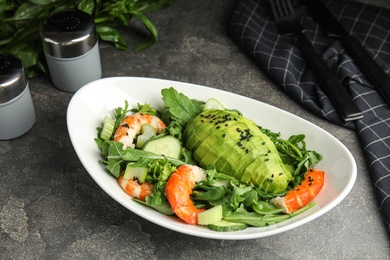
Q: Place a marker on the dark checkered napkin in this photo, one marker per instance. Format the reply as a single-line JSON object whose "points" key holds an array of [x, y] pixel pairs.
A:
{"points": [[253, 28]]}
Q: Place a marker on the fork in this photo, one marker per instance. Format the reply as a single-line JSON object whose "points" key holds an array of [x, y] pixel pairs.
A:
{"points": [[288, 23]]}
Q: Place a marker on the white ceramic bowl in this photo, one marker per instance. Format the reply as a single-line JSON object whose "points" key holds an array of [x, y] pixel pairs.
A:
{"points": [[92, 102]]}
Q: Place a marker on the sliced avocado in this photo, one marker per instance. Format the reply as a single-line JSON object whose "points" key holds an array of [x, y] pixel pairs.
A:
{"points": [[235, 146]]}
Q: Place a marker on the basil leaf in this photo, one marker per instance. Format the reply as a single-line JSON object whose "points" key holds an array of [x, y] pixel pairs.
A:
{"points": [[152, 29], [87, 6], [26, 11], [109, 34], [20, 22], [43, 2]]}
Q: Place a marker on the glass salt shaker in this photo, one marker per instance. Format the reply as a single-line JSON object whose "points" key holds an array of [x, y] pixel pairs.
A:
{"points": [[71, 48], [17, 114]]}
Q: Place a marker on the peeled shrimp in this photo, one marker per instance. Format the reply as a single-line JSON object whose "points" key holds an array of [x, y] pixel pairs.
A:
{"points": [[131, 126], [135, 189], [301, 195], [179, 189]]}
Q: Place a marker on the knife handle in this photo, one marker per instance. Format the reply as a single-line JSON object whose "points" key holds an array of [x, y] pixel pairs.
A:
{"points": [[328, 80], [367, 64]]}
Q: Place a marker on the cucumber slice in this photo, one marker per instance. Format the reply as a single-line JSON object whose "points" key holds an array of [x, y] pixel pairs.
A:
{"points": [[147, 132], [226, 226], [213, 104], [210, 216], [166, 145], [108, 128], [136, 172]]}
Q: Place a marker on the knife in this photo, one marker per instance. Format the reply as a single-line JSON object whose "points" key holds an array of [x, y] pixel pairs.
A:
{"points": [[366, 63]]}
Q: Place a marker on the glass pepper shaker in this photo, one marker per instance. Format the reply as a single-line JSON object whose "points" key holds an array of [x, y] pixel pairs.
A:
{"points": [[70, 45], [17, 114]]}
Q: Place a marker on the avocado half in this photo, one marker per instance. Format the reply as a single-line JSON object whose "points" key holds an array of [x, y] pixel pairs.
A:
{"points": [[234, 145]]}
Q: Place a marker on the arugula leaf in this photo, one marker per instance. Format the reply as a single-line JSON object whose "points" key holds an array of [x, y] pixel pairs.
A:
{"points": [[243, 215], [146, 109], [116, 157], [115, 162], [264, 207], [120, 114], [209, 193], [180, 107], [294, 153]]}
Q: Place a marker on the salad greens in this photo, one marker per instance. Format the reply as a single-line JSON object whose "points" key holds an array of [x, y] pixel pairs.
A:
{"points": [[241, 202], [24, 41]]}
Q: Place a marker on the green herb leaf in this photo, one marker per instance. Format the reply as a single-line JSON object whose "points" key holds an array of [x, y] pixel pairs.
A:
{"points": [[181, 108], [110, 34], [20, 24]]}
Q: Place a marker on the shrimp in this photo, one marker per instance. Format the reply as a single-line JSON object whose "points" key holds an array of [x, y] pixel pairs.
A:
{"points": [[301, 195], [131, 126], [178, 190], [135, 189]]}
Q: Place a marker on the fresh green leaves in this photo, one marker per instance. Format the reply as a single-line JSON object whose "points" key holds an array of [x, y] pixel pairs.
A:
{"points": [[179, 110], [146, 109], [116, 157], [294, 153], [110, 34], [120, 114], [241, 203], [24, 41]]}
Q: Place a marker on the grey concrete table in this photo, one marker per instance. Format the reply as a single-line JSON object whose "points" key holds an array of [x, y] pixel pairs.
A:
{"points": [[50, 208]]}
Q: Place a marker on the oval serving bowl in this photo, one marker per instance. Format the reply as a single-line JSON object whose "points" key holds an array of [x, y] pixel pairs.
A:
{"points": [[97, 99]]}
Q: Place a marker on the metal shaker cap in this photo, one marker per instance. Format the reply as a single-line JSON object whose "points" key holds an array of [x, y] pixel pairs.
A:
{"points": [[13, 80], [68, 34]]}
